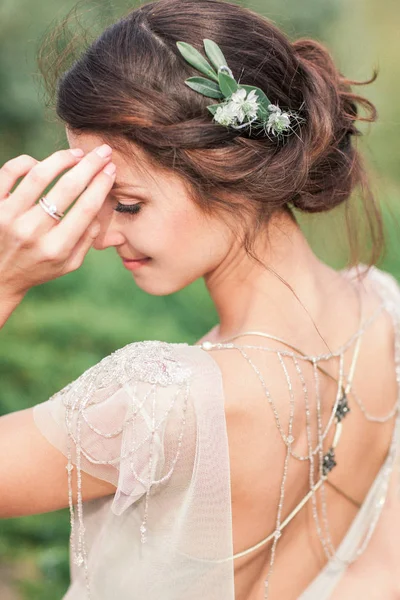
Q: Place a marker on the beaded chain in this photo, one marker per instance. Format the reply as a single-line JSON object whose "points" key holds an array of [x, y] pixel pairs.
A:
{"points": [[326, 461], [151, 362]]}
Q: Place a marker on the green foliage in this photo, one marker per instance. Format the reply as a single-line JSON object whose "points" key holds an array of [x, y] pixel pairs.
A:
{"points": [[196, 60], [227, 84], [66, 326], [214, 54], [204, 86]]}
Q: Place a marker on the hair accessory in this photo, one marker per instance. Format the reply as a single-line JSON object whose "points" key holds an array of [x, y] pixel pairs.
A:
{"points": [[50, 209], [243, 105]]}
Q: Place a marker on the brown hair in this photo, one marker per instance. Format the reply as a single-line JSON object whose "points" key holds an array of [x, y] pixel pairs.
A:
{"points": [[129, 84]]}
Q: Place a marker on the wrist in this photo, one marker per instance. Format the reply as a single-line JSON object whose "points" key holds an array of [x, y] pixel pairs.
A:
{"points": [[8, 303]]}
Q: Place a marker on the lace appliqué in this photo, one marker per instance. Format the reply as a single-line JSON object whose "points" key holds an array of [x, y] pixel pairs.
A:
{"points": [[151, 362]]}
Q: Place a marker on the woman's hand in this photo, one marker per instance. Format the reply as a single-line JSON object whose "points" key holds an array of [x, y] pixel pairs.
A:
{"points": [[35, 247]]}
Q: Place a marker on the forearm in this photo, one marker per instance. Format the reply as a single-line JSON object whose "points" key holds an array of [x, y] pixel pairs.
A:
{"points": [[8, 303]]}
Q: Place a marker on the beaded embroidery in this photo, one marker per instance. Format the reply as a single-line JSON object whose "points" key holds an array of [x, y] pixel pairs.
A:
{"points": [[150, 362]]}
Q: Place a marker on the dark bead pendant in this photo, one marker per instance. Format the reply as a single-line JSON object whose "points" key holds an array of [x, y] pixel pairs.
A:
{"points": [[328, 462], [342, 408]]}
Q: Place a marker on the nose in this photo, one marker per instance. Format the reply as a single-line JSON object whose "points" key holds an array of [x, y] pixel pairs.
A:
{"points": [[110, 235], [108, 239]]}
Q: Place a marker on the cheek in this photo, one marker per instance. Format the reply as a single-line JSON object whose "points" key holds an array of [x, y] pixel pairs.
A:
{"points": [[192, 245], [184, 235], [184, 249], [163, 234], [183, 242]]}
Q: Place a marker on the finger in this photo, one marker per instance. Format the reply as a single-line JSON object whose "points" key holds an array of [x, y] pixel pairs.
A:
{"points": [[82, 248], [12, 170], [41, 176], [72, 184], [76, 222]]}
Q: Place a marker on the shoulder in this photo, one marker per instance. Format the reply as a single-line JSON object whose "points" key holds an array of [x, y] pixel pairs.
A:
{"points": [[153, 362], [385, 280], [373, 272], [382, 282]]}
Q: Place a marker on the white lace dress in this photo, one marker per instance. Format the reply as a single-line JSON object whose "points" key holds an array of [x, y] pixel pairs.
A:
{"points": [[150, 419]]}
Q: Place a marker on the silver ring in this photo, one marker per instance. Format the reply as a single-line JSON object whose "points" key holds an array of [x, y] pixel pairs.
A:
{"points": [[51, 209]]}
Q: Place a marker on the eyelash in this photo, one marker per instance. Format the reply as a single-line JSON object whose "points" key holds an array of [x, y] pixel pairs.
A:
{"points": [[129, 209]]}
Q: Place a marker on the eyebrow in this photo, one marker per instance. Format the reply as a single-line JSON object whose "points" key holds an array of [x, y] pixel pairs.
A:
{"points": [[122, 185]]}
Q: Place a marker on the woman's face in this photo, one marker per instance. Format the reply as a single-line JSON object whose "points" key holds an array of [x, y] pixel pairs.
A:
{"points": [[181, 243]]}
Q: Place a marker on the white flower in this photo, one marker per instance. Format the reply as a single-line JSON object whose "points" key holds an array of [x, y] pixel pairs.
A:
{"points": [[245, 106], [225, 114], [239, 107], [238, 96], [278, 121]]}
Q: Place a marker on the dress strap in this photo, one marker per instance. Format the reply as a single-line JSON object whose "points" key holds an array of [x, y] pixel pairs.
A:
{"points": [[339, 410]]}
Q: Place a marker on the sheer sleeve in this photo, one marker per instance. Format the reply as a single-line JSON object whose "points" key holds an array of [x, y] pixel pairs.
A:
{"points": [[149, 419], [112, 422]]}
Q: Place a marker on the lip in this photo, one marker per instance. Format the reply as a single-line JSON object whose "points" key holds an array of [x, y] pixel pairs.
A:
{"points": [[133, 265]]}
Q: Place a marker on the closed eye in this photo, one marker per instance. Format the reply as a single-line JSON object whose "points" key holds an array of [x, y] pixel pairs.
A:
{"points": [[131, 209]]}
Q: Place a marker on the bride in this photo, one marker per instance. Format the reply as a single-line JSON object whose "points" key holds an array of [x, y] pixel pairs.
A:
{"points": [[262, 461]]}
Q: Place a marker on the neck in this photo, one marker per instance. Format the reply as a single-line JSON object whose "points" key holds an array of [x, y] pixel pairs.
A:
{"points": [[247, 296]]}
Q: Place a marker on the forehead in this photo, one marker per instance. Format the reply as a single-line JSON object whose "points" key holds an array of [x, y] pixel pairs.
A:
{"points": [[134, 170], [133, 165], [88, 141]]}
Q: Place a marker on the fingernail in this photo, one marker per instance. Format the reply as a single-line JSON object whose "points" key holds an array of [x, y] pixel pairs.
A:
{"points": [[104, 150], [110, 169], [77, 152]]}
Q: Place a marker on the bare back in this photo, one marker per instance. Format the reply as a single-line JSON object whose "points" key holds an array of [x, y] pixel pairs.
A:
{"points": [[257, 450]]}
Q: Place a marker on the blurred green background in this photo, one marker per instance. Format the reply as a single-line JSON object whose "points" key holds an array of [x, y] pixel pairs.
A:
{"points": [[66, 326]]}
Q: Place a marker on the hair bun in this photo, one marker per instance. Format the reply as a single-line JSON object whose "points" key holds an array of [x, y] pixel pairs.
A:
{"points": [[332, 110]]}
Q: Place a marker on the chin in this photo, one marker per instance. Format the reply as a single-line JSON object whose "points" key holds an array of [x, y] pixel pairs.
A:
{"points": [[155, 287]]}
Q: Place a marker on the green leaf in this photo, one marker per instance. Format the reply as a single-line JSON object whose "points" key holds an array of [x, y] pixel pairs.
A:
{"points": [[214, 54], [204, 86], [264, 101], [213, 108], [194, 58], [227, 84]]}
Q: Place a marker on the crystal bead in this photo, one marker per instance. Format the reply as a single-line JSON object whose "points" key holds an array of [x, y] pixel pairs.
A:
{"points": [[381, 501], [290, 439], [206, 345], [143, 536], [69, 468], [78, 559], [277, 534]]}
